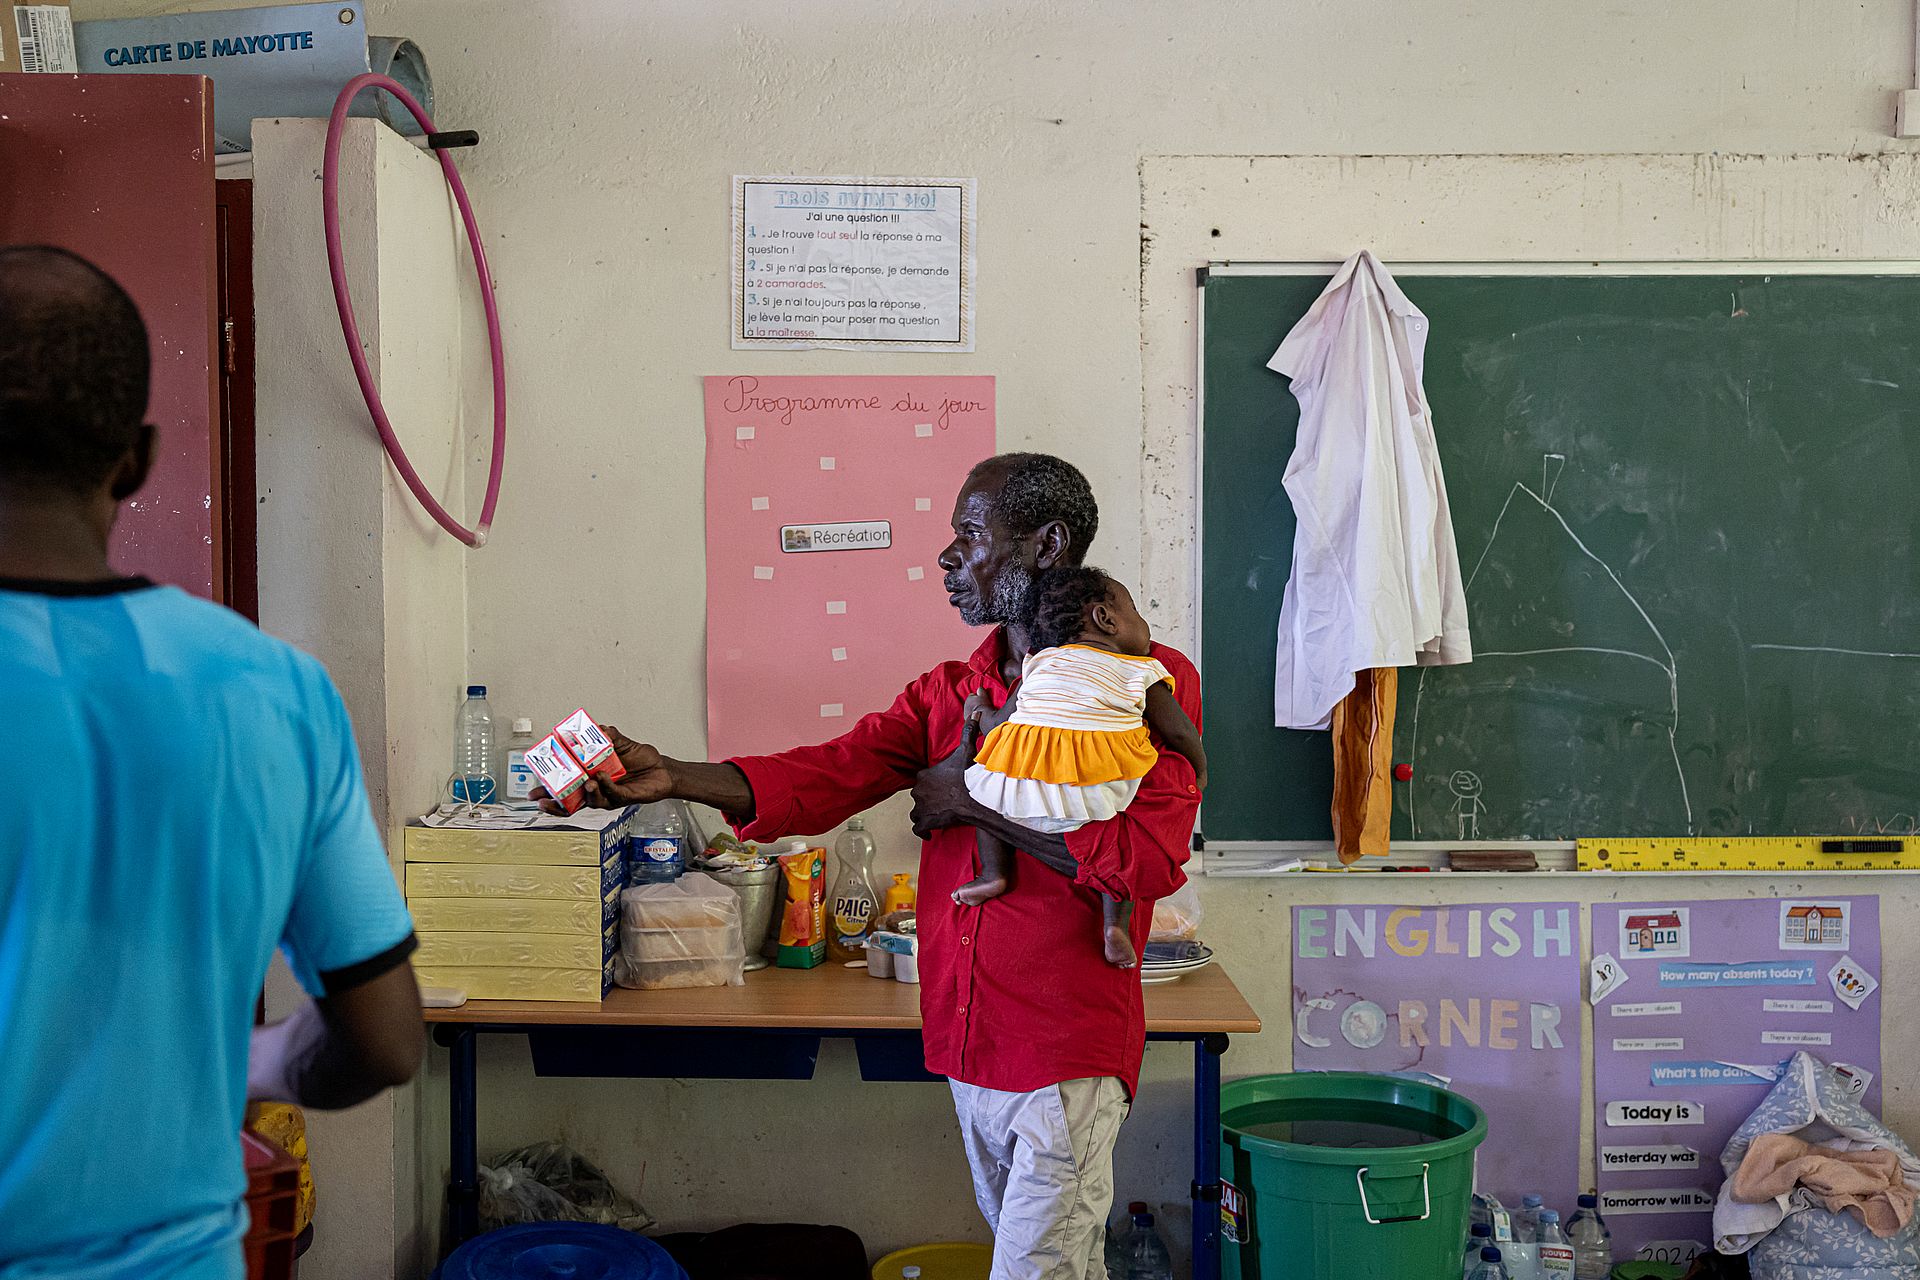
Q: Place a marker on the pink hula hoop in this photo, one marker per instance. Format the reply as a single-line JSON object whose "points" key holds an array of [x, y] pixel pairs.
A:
{"points": [[350, 329]]}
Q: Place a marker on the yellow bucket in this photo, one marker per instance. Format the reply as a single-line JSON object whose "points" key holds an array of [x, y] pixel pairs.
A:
{"points": [[938, 1262]]}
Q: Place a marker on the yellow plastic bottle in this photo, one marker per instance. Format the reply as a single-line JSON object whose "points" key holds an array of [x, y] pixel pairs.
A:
{"points": [[899, 894]]}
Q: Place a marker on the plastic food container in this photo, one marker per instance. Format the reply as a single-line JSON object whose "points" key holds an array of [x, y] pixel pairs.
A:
{"points": [[682, 933]]}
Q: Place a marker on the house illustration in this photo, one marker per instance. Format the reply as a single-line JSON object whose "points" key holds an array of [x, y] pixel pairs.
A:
{"points": [[1652, 933], [1811, 924]]}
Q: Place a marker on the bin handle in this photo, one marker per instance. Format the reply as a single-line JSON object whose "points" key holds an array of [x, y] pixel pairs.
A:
{"points": [[1426, 1194]]}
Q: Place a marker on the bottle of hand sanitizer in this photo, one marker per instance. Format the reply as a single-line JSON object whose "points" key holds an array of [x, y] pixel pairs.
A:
{"points": [[520, 778]]}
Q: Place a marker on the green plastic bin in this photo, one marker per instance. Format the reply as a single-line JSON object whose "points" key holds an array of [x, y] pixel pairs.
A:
{"points": [[1345, 1212]]}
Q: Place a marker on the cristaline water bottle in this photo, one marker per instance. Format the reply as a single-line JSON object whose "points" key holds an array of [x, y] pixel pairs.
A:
{"points": [[473, 779], [1592, 1242]]}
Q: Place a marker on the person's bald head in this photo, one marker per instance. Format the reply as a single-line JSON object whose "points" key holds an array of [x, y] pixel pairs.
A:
{"points": [[74, 375]]}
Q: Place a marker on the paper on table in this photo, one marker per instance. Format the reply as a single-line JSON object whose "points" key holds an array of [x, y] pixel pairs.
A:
{"points": [[498, 817]]}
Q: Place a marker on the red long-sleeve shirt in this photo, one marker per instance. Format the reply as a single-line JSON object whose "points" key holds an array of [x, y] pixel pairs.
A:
{"points": [[1014, 994]]}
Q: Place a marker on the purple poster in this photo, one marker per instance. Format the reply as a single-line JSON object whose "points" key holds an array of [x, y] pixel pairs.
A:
{"points": [[1695, 1006], [1485, 998]]}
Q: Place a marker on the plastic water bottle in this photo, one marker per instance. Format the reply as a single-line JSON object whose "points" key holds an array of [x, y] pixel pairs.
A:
{"points": [[657, 852], [1527, 1221], [1490, 1267], [1553, 1255], [1120, 1240], [473, 779], [1147, 1256], [1478, 1238], [1592, 1242]]}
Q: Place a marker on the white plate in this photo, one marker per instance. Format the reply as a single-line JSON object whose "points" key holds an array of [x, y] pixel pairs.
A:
{"points": [[1152, 973]]}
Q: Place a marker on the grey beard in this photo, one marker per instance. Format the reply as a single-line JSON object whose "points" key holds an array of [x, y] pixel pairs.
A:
{"points": [[1010, 601]]}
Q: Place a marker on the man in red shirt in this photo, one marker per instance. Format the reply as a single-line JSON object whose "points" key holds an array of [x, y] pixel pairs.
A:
{"points": [[1040, 1037]]}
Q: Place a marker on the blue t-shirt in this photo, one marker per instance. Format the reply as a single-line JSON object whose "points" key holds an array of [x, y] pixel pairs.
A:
{"points": [[185, 795]]}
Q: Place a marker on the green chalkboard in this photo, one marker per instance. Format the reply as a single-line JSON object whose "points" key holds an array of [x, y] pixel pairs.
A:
{"points": [[1687, 507]]}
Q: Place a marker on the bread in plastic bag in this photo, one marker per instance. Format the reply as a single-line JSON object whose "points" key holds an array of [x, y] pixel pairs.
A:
{"points": [[551, 1182], [681, 933], [1176, 918]]}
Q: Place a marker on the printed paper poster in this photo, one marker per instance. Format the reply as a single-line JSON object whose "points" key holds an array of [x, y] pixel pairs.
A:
{"points": [[1654, 931], [1485, 997], [1813, 926], [1851, 981], [853, 263], [1727, 992], [1605, 976], [828, 504]]}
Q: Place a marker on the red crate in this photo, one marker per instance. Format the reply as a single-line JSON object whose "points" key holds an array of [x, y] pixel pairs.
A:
{"points": [[273, 1201]]}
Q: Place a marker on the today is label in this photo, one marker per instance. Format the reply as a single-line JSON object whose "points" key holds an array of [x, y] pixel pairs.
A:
{"points": [[1622, 1115]]}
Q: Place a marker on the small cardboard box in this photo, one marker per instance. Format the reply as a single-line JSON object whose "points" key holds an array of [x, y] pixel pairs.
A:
{"points": [[37, 37], [558, 772], [590, 746]]}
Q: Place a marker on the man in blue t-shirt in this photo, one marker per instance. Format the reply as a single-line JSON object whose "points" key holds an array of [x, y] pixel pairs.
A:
{"points": [[185, 795]]}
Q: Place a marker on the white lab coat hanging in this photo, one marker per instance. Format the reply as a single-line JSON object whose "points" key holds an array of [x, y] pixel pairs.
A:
{"points": [[1376, 575]]}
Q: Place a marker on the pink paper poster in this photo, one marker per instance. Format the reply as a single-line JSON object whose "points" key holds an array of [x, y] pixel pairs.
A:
{"points": [[828, 502]]}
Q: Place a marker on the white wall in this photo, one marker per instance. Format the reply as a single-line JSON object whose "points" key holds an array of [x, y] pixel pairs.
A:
{"points": [[610, 131], [350, 569]]}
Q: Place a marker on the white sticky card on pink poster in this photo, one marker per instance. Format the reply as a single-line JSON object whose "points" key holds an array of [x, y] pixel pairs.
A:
{"points": [[811, 567]]}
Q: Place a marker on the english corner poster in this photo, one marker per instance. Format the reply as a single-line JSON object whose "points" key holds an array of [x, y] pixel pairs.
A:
{"points": [[1484, 999]]}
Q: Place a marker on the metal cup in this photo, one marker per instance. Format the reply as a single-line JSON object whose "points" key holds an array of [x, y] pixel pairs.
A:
{"points": [[757, 891]]}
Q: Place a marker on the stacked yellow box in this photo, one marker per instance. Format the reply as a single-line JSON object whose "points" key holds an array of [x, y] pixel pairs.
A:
{"points": [[518, 915]]}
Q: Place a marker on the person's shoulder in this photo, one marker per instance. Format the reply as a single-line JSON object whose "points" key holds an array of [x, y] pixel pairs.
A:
{"points": [[220, 641], [1176, 662]]}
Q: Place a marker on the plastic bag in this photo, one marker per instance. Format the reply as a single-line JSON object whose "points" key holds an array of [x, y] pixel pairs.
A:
{"points": [[683, 933], [1177, 918], [551, 1182]]}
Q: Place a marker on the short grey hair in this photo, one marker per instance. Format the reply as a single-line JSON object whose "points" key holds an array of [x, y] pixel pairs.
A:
{"points": [[1040, 488]]}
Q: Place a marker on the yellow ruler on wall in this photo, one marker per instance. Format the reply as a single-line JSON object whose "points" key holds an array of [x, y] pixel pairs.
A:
{"points": [[1750, 853]]}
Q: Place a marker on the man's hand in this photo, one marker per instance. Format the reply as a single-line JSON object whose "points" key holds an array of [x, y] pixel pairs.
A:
{"points": [[940, 797], [647, 778]]}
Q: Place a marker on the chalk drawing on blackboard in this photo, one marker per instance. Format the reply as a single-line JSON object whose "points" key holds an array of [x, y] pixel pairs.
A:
{"points": [[1551, 466], [1466, 787], [1821, 648]]}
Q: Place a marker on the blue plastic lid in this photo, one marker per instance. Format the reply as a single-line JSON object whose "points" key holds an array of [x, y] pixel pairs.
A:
{"points": [[1549, 1215], [1488, 1254], [1532, 1202], [1589, 1202], [1481, 1229], [476, 691], [560, 1251]]}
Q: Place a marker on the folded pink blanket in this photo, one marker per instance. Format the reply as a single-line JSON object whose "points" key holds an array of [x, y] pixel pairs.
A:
{"points": [[1867, 1184]]}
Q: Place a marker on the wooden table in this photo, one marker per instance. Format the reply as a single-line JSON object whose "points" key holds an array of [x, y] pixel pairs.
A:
{"points": [[771, 1029]]}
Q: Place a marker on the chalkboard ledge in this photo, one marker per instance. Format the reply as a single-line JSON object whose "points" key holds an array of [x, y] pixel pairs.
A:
{"points": [[1266, 859]]}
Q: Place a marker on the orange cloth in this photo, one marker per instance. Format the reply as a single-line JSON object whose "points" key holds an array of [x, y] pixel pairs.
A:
{"points": [[1363, 764], [1867, 1184], [1070, 757]]}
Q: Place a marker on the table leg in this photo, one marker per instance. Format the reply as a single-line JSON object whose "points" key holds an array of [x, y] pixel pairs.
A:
{"points": [[1206, 1156], [463, 1106]]}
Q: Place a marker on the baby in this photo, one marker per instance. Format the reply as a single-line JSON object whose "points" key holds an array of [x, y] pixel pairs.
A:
{"points": [[1072, 744]]}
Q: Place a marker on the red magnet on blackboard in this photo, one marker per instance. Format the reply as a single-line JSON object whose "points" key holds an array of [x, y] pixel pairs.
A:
{"points": [[1403, 773]]}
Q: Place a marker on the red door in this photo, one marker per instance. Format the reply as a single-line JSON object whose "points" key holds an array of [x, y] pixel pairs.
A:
{"points": [[119, 169]]}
